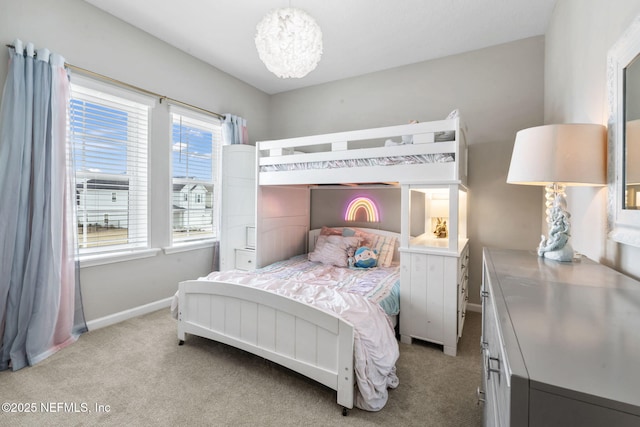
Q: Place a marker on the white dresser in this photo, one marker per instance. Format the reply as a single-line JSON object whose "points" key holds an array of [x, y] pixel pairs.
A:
{"points": [[560, 343]]}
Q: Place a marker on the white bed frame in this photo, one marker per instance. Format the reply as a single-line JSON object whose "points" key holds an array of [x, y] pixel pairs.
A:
{"points": [[298, 336]]}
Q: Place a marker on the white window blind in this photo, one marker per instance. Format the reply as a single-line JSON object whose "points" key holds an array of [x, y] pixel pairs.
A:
{"points": [[195, 160], [108, 128]]}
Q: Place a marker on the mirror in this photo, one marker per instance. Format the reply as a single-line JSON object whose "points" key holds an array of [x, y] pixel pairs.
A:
{"points": [[631, 159], [623, 73]]}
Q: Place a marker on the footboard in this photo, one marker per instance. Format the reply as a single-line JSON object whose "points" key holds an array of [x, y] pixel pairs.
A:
{"points": [[307, 340]]}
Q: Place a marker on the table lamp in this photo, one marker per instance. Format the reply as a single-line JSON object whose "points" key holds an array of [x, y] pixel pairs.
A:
{"points": [[556, 156]]}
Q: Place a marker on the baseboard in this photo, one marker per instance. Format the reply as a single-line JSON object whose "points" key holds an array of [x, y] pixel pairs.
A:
{"points": [[112, 319], [474, 307]]}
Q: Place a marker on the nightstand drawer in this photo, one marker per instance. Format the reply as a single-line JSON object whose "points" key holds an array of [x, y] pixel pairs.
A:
{"points": [[245, 259]]}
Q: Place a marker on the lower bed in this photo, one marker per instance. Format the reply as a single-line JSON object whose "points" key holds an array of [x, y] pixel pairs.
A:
{"points": [[325, 322], [380, 285]]}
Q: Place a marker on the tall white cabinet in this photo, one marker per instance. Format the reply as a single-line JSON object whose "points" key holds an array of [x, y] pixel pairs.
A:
{"points": [[238, 207], [434, 257]]}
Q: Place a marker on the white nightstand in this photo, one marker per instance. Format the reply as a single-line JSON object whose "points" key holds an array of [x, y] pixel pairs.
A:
{"points": [[245, 259], [434, 268]]}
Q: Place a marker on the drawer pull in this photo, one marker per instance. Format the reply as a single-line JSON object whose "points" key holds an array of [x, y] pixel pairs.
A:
{"points": [[490, 369], [480, 396]]}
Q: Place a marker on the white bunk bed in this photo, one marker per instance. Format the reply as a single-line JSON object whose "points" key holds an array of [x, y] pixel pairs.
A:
{"points": [[310, 340]]}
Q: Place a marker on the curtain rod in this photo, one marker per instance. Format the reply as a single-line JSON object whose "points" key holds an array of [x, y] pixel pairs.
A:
{"points": [[136, 88]]}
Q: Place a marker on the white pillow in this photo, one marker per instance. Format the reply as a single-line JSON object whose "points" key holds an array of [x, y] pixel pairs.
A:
{"points": [[447, 135], [332, 250], [384, 245]]}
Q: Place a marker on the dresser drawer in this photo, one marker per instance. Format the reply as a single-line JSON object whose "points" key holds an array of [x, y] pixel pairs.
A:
{"points": [[496, 370], [245, 259]]}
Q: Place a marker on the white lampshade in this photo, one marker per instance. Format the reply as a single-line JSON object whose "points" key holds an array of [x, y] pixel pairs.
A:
{"points": [[566, 154], [289, 42], [439, 208]]}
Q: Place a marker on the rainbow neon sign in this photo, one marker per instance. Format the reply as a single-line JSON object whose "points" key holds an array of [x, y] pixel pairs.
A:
{"points": [[365, 204]]}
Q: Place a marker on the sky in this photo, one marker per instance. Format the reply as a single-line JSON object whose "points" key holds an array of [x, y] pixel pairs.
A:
{"points": [[99, 134]]}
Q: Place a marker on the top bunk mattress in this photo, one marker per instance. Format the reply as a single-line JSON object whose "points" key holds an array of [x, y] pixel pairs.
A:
{"points": [[415, 159]]}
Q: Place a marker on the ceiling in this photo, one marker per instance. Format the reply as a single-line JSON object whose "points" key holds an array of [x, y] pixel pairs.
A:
{"points": [[359, 36]]}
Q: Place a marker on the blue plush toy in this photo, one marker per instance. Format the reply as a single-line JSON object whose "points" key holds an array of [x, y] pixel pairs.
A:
{"points": [[365, 257]]}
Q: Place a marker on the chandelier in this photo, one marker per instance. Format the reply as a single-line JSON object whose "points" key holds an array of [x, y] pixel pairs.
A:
{"points": [[289, 42]]}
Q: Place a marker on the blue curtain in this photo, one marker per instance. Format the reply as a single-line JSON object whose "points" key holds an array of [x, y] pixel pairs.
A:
{"points": [[40, 302], [234, 130]]}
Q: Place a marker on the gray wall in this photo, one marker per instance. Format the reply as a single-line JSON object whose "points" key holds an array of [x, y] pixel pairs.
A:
{"points": [[499, 90], [329, 207], [577, 42], [94, 40]]}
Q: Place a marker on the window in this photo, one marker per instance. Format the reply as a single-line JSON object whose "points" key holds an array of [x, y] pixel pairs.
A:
{"points": [[195, 162], [108, 128]]}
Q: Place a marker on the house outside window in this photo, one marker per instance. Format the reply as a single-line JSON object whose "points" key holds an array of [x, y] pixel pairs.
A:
{"points": [[195, 160], [108, 129]]}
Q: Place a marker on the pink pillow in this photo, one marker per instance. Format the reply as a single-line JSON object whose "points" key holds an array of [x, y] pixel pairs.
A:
{"points": [[328, 231]]}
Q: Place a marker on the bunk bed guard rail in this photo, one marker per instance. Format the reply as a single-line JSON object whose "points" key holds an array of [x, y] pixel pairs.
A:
{"points": [[426, 151]]}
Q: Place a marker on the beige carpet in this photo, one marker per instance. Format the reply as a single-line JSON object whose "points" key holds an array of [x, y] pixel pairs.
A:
{"points": [[135, 374]]}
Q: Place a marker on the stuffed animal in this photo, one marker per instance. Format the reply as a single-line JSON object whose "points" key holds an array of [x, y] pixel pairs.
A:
{"points": [[365, 257], [441, 229], [351, 251]]}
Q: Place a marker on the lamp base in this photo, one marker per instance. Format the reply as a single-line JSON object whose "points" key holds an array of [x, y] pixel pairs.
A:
{"points": [[557, 246], [551, 194], [563, 255]]}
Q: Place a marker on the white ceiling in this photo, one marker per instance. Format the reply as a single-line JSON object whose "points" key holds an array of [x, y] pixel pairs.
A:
{"points": [[359, 36]]}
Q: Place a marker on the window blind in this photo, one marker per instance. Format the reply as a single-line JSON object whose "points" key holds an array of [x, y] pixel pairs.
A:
{"points": [[109, 138], [195, 159]]}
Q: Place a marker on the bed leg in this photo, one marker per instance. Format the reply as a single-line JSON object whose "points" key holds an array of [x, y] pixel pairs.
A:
{"points": [[180, 342], [345, 411]]}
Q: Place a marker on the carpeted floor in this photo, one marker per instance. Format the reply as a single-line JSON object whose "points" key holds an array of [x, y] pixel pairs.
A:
{"points": [[135, 374]]}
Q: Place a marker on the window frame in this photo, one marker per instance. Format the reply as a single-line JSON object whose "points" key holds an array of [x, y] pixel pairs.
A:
{"points": [[118, 252], [207, 120]]}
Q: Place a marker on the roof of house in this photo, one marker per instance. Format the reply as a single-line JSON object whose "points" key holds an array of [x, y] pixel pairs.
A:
{"points": [[104, 184]]}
